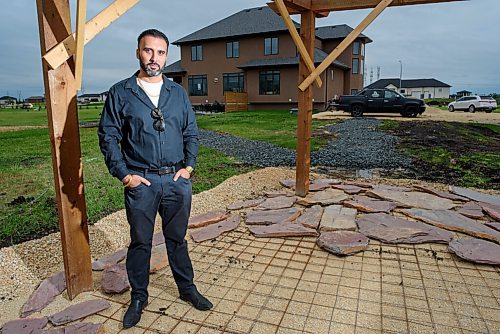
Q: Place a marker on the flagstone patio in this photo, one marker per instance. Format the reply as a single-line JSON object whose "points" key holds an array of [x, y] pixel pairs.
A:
{"points": [[291, 285]]}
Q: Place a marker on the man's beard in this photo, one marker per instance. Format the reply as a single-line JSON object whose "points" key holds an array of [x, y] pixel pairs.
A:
{"points": [[150, 72]]}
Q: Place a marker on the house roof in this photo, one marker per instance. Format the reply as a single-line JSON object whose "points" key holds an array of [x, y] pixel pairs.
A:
{"points": [[463, 91], [174, 68], [319, 56], [412, 83], [337, 32], [90, 95], [259, 20], [35, 98], [6, 97], [246, 22]]}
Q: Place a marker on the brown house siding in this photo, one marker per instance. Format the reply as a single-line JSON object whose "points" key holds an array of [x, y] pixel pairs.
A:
{"points": [[215, 64]]}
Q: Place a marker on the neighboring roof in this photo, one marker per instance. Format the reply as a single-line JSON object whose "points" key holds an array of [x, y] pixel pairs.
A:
{"points": [[7, 98], [463, 91], [35, 98], [259, 20], [90, 95], [412, 83], [246, 22], [319, 56], [337, 32], [174, 68]]}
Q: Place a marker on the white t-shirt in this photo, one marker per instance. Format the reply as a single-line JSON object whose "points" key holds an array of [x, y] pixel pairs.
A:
{"points": [[152, 90]]}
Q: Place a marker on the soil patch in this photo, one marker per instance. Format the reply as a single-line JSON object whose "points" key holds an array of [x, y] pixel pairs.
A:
{"points": [[458, 150]]}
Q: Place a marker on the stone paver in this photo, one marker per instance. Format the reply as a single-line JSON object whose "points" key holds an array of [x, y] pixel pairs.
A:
{"points": [[337, 217], [476, 250], [48, 289], [343, 242], [453, 221]]}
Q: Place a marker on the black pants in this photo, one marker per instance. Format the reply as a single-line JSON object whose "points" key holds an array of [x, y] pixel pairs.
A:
{"points": [[172, 200]]}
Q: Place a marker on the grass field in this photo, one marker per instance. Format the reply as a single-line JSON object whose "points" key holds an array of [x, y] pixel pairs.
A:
{"points": [[27, 201]]}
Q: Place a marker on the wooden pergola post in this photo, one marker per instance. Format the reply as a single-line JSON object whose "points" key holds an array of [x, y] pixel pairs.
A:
{"points": [[309, 10], [54, 23], [303, 157]]}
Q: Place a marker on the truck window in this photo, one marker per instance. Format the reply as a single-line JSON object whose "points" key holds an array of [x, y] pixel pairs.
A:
{"points": [[389, 94]]}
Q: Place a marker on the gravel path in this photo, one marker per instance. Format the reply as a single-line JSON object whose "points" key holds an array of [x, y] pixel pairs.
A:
{"points": [[358, 145]]}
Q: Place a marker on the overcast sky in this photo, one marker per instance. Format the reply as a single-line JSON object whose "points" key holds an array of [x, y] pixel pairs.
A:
{"points": [[455, 42]]}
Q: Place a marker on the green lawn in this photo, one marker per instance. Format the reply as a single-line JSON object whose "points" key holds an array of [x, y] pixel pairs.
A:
{"points": [[38, 115], [277, 127], [27, 198], [27, 201]]}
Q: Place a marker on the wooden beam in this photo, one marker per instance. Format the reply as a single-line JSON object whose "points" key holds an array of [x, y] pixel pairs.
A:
{"points": [[60, 96], [296, 39], [80, 39], [337, 5], [303, 162], [294, 8], [59, 53], [345, 43]]}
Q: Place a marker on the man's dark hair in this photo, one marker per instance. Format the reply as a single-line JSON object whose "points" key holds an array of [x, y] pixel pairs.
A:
{"points": [[154, 33]]}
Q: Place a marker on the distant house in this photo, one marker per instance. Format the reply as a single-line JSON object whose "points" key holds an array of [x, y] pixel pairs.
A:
{"points": [[7, 100], [252, 52], [463, 93], [88, 98], [35, 99], [419, 88]]}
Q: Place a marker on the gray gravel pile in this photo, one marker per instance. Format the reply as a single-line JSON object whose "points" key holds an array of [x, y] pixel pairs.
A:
{"points": [[252, 152], [358, 146]]}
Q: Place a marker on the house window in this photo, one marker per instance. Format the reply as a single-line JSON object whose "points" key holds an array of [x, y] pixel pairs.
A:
{"points": [[363, 49], [355, 48], [271, 46], [196, 53], [355, 66], [197, 85], [269, 82], [234, 82], [233, 50], [440, 90]]}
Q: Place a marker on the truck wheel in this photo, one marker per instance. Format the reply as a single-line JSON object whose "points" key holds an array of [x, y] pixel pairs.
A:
{"points": [[472, 108], [451, 109], [357, 110], [411, 111]]}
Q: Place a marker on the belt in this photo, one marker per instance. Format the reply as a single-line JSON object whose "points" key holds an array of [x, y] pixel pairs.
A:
{"points": [[160, 171]]}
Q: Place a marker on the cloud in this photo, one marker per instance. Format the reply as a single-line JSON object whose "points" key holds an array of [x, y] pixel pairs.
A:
{"points": [[454, 42]]}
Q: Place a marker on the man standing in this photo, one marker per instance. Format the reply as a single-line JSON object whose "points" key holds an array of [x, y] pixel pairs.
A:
{"points": [[149, 139]]}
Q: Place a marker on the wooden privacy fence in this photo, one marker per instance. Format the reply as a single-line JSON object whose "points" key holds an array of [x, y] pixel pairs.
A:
{"points": [[235, 101]]}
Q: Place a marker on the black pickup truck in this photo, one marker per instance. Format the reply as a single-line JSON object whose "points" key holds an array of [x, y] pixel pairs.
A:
{"points": [[379, 101]]}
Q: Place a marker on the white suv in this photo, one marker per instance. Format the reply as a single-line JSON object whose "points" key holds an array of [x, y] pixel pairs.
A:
{"points": [[473, 103]]}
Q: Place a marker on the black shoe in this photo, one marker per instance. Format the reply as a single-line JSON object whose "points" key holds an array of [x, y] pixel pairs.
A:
{"points": [[197, 300], [134, 312]]}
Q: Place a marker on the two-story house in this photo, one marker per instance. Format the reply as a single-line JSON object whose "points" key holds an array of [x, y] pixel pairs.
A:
{"points": [[252, 51]]}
